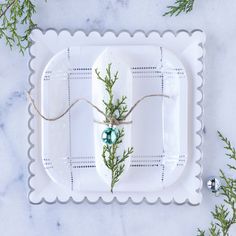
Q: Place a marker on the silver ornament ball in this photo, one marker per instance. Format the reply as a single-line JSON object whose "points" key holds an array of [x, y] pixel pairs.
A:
{"points": [[213, 184]]}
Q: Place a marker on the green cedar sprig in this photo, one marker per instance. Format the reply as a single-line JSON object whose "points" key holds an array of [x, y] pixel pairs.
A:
{"points": [[180, 6], [225, 214], [114, 108], [112, 161], [16, 15], [117, 108]]}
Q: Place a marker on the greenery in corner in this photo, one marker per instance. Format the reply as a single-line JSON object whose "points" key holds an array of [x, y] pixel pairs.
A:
{"points": [[114, 109], [225, 214], [180, 6], [13, 14], [16, 21]]}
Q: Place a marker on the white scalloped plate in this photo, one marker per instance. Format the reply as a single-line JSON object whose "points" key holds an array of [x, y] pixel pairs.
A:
{"points": [[62, 175]]}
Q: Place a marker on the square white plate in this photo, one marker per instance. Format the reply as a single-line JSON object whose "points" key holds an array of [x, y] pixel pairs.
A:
{"points": [[62, 164]]}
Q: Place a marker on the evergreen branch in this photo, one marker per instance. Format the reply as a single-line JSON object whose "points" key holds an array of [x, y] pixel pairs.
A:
{"points": [[112, 161], [117, 110], [180, 6], [228, 147], [7, 7], [13, 14], [201, 232], [224, 215]]}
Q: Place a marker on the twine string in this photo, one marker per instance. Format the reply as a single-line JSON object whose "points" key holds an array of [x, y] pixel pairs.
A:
{"points": [[141, 99], [112, 120], [66, 111]]}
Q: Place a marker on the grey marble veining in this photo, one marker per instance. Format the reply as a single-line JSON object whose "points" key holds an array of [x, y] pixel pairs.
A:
{"points": [[18, 217]]}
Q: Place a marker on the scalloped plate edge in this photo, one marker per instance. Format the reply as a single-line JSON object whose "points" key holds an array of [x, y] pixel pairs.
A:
{"points": [[198, 132]]}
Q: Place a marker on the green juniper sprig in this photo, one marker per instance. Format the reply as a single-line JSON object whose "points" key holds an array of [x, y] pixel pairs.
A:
{"points": [[112, 161], [114, 109], [180, 6], [224, 215], [16, 23]]}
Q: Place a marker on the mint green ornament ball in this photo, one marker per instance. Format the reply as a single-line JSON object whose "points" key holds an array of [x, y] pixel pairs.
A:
{"points": [[109, 135]]}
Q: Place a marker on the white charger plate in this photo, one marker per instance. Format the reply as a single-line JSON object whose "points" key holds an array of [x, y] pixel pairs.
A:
{"points": [[67, 146]]}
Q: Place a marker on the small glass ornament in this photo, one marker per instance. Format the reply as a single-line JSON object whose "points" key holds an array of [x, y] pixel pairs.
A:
{"points": [[109, 135], [213, 184]]}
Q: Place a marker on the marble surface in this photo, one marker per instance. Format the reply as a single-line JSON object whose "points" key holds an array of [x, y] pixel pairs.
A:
{"points": [[18, 217]]}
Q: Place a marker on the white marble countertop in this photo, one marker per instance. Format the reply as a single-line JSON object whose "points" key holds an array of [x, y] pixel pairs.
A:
{"points": [[18, 217]]}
